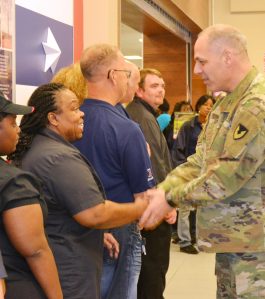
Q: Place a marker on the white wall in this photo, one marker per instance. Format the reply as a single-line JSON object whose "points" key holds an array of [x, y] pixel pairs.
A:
{"points": [[60, 10], [101, 22], [251, 23]]}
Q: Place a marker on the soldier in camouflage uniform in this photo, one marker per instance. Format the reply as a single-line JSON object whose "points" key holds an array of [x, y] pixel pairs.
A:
{"points": [[225, 178]]}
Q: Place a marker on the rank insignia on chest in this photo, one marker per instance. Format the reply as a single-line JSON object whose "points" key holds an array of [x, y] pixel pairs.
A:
{"points": [[240, 132]]}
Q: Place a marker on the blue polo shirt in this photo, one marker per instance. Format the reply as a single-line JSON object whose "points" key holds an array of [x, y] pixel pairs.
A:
{"points": [[116, 148]]}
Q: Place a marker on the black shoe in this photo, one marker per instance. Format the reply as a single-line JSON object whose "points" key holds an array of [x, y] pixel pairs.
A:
{"points": [[189, 249], [175, 238], [193, 241]]}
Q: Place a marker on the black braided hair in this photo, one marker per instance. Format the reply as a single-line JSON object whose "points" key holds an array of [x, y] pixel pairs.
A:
{"points": [[43, 100]]}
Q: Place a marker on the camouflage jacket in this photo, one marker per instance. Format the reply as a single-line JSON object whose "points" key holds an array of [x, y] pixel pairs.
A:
{"points": [[225, 178]]}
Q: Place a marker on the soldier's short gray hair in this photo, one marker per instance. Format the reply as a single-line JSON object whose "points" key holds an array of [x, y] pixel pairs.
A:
{"points": [[221, 34]]}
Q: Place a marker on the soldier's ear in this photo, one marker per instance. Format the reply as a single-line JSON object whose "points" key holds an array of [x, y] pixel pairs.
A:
{"points": [[227, 56]]}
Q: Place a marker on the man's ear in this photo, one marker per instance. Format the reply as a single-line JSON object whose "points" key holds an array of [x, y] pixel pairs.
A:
{"points": [[52, 119], [112, 77], [139, 92]]}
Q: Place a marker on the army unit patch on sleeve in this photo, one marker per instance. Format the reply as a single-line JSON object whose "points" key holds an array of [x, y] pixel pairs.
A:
{"points": [[240, 132]]}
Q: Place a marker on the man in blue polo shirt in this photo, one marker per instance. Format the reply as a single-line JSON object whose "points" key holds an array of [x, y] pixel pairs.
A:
{"points": [[117, 150]]}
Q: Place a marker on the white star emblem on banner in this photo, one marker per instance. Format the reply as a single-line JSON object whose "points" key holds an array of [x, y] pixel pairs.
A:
{"points": [[52, 52]]}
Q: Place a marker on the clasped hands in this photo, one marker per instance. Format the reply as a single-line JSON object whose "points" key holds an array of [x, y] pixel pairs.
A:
{"points": [[157, 210]]}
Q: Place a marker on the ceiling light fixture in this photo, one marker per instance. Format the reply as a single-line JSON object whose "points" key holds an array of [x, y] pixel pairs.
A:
{"points": [[133, 57]]}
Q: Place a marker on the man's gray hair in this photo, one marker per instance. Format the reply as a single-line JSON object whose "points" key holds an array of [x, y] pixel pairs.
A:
{"points": [[221, 34], [96, 58]]}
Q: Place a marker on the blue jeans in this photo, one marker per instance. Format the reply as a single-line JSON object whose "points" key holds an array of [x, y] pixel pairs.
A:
{"points": [[120, 277]]}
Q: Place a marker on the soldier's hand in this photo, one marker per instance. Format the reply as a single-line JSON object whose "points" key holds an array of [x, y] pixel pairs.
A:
{"points": [[156, 211]]}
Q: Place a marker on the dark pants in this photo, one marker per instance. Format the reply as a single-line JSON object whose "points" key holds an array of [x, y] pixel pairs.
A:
{"points": [[152, 280], [192, 227]]}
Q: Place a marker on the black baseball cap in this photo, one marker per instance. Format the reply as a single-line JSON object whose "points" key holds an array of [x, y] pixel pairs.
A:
{"points": [[8, 107]]}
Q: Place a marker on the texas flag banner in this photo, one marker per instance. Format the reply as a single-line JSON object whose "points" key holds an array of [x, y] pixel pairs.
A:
{"points": [[43, 46]]}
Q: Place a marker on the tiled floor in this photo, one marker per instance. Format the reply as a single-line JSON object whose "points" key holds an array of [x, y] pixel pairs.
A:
{"points": [[190, 276]]}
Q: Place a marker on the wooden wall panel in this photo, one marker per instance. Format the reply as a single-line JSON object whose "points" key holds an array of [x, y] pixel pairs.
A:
{"points": [[167, 54]]}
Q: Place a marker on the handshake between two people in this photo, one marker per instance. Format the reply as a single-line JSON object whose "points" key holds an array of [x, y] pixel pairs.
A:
{"points": [[158, 210]]}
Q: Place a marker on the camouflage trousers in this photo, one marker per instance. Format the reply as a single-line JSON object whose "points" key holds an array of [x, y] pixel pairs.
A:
{"points": [[240, 275]]}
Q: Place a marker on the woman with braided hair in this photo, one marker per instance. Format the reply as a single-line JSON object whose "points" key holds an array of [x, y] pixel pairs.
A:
{"points": [[74, 194]]}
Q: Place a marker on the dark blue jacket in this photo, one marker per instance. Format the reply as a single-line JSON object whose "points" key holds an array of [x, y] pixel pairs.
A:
{"points": [[186, 141]]}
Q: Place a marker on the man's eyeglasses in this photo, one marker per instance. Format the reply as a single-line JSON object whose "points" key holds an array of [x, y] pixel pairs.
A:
{"points": [[127, 72]]}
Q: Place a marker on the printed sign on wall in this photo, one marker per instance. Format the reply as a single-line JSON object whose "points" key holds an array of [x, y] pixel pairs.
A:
{"points": [[43, 46], [6, 49]]}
